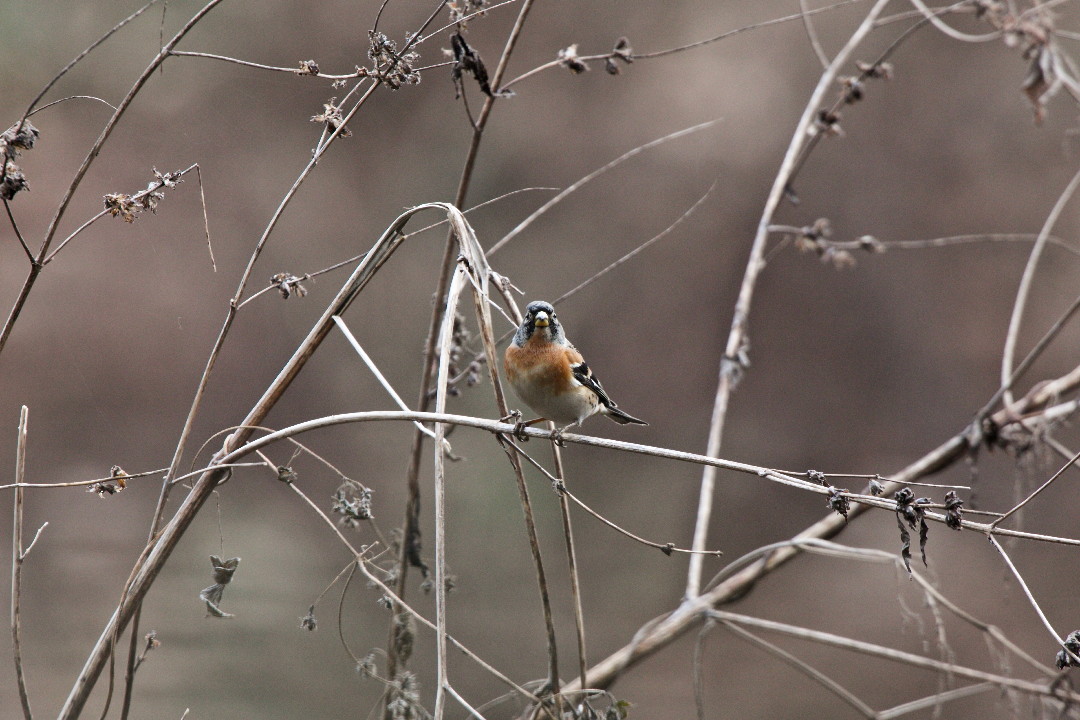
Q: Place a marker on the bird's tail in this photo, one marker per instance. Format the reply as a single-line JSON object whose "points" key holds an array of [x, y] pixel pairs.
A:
{"points": [[622, 418]]}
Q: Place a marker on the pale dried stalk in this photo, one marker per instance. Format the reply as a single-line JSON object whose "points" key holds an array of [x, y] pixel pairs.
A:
{"points": [[737, 335], [1025, 686], [17, 556], [1024, 290]]}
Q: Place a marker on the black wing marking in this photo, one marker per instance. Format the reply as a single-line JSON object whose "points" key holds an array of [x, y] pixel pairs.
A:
{"points": [[584, 375]]}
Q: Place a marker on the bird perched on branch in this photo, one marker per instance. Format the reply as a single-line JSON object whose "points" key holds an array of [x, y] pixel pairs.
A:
{"points": [[551, 377]]}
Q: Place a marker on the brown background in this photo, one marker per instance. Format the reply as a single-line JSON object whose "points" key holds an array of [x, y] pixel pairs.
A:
{"points": [[856, 371]]}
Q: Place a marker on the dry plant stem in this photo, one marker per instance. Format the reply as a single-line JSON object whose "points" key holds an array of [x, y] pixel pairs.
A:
{"points": [[471, 710], [163, 543], [699, 669], [630, 255], [375, 371], [887, 653], [831, 549], [664, 632], [219, 343], [1024, 290], [158, 185], [410, 529], [571, 559], [812, 36], [50, 233], [1029, 360], [363, 564], [1029, 498], [935, 700], [446, 340], [681, 48], [592, 176], [933, 462], [1027, 593], [737, 335], [665, 547], [17, 556], [811, 672], [955, 34], [487, 334], [18, 233], [71, 97]]}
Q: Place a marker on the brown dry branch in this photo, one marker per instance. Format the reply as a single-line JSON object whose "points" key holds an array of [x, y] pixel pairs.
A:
{"points": [[623, 53], [410, 523], [43, 252], [164, 542]]}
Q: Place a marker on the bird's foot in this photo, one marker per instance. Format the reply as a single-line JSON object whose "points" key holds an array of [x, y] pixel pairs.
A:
{"points": [[519, 425]]}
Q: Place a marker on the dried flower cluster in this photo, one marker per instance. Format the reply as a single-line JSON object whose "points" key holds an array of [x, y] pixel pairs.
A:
{"points": [[18, 137]]}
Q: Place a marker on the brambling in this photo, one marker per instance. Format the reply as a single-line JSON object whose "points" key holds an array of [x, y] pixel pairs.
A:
{"points": [[551, 377]]}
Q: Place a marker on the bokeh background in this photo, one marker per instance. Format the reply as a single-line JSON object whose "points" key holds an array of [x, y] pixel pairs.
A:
{"points": [[857, 370]]}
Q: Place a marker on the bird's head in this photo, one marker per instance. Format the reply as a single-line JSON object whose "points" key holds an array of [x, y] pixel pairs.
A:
{"points": [[540, 319]]}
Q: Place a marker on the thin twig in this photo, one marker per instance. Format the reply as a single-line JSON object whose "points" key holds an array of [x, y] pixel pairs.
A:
{"points": [[154, 187], [1024, 289], [18, 233], [1029, 498], [17, 557], [811, 672], [844, 643], [935, 700], [812, 36], [1027, 593], [591, 176], [630, 255], [681, 48], [376, 372], [70, 97], [571, 562], [361, 73], [206, 217], [446, 340], [936, 21], [861, 502], [364, 565], [410, 522]]}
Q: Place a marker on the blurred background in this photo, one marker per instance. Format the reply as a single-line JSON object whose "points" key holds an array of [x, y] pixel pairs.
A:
{"points": [[858, 370]]}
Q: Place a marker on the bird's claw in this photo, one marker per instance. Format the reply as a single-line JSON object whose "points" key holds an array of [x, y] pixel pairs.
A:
{"points": [[557, 437], [519, 425], [519, 430]]}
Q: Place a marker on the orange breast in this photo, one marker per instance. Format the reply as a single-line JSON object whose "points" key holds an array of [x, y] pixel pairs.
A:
{"points": [[541, 363]]}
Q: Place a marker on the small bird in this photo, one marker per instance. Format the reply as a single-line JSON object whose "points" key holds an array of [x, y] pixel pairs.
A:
{"points": [[551, 377]]}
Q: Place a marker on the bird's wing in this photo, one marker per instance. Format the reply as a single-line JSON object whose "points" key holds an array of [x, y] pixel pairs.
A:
{"points": [[583, 374]]}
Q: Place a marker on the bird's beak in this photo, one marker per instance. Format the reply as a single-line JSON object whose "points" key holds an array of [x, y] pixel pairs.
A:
{"points": [[541, 319]]}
